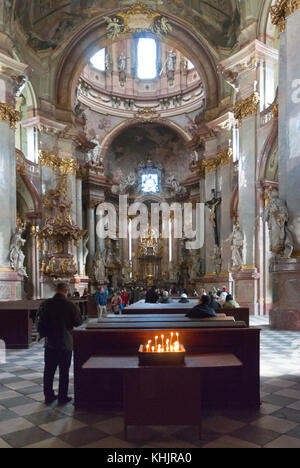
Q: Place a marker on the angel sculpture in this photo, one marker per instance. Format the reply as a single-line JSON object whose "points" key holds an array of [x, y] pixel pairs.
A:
{"points": [[114, 27], [163, 27]]}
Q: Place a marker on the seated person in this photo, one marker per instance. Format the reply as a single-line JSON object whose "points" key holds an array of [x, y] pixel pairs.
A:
{"points": [[230, 303], [152, 296], [213, 302], [165, 299], [184, 299], [203, 309]]}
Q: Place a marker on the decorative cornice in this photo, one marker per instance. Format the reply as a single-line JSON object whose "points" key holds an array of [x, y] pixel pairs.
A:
{"points": [[9, 114], [65, 165], [282, 10], [247, 107]]}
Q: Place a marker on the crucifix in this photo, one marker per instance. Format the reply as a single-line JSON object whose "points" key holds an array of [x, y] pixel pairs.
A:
{"points": [[213, 205]]}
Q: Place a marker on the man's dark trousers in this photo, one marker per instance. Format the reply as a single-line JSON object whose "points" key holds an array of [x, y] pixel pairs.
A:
{"points": [[57, 358]]}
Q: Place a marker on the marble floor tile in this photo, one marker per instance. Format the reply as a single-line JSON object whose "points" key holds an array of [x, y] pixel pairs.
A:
{"points": [[230, 442], [49, 443], [284, 442], [14, 425], [62, 426], [31, 408], [21, 438], [275, 424]]}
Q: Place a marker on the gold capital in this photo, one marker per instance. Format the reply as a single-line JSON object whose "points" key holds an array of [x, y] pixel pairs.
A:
{"points": [[247, 107], [9, 114]]}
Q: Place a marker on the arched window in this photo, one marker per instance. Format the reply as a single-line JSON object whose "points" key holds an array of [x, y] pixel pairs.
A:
{"points": [[98, 60], [147, 57]]}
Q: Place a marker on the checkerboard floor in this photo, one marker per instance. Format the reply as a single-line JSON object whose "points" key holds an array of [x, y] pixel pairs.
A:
{"points": [[26, 422]]}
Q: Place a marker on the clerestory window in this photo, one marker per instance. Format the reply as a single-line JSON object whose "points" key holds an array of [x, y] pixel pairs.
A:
{"points": [[98, 60], [147, 58]]}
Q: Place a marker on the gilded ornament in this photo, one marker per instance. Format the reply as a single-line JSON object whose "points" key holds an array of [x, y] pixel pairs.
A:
{"points": [[247, 107], [137, 19], [210, 165], [225, 157], [147, 114], [9, 114], [65, 165], [282, 10]]}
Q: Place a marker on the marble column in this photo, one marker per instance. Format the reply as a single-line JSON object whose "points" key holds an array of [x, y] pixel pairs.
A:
{"points": [[12, 74], [246, 281], [286, 272], [80, 224], [90, 222]]}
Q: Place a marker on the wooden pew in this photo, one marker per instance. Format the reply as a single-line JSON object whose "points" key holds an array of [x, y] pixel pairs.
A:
{"points": [[220, 388], [177, 308], [16, 321]]}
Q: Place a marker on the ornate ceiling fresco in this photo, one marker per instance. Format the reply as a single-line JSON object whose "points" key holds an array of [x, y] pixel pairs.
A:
{"points": [[139, 143], [48, 22]]}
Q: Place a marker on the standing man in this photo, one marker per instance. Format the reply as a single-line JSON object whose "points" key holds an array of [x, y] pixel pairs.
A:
{"points": [[57, 318], [101, 301]]}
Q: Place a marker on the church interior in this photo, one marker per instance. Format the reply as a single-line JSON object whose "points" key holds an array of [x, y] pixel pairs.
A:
{"points": [[150, 147]]}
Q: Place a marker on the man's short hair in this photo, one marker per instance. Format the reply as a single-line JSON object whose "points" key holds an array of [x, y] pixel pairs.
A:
{"points": [[205, 300], [62, 286]]}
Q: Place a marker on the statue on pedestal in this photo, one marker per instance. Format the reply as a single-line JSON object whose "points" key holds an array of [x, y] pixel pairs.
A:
{"points": [[276, 215], [173, 272], [237, 245], [195, 268], [16, 254], [126, 270], [98, 268]]}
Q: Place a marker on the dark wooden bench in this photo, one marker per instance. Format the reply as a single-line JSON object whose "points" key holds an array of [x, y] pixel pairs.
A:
{"points": [[141, 308], [16, 321], [220, 388], [166, 406]]}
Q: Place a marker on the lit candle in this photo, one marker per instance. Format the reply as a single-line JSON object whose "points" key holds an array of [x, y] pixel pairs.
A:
{"points": [[156, 338], [172, 349], [147, 348], [159, 348], [162, 340], [153, 349], [171, 338], [176, 346]]}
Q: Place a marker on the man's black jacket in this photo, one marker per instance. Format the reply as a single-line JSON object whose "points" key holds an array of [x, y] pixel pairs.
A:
{"points": [[56, 319]]}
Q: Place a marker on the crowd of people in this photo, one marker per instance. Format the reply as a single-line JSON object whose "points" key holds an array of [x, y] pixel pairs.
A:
{"points": [[58, 316], [212, 303], [117, 300]]}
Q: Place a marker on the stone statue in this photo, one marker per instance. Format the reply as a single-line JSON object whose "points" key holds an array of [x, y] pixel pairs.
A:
{"points": [[108, 255], [171, 61], [195, 267], [126, 270], [16, 254], [276, 215], [173, 272], [175, 186], [125, 183], [216, 258], [122, 62], [98, 269], [237, 245], [93, 154]]}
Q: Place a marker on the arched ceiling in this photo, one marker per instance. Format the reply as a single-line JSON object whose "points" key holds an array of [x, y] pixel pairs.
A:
{"points": [[48, 22]]}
